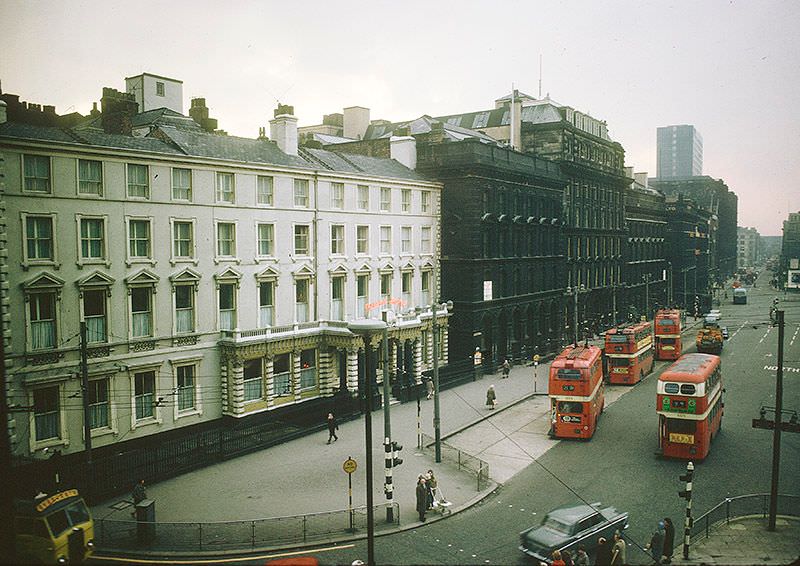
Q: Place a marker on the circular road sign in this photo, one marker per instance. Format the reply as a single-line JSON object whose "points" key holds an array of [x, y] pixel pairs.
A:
{"points": [[536, 357], [349, 466]]}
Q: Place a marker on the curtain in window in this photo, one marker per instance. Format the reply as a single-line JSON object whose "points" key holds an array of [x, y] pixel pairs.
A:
{"points": [[184, 320], [308, 378], [43, 334], [252, 389], [265, 316], [46, 412], [47, 425], [98, 415], [142, 324], [95, 328], [145, 404]]}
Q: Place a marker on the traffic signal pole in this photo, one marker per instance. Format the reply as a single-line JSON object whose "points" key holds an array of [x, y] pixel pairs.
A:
{"points": [[687, 495], [776, 437]]}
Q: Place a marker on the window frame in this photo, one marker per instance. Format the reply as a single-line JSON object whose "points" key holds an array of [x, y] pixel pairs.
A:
{"points": [[234, 285], [301, 193], [273, 283], [270, 194], [24, 175], [188, 189], [362, 190], [108, 427], [153, 417], [219, 257], [386, 243], [300, 251], [104, 291], [192, 287], [337, 195], [362, 244], [406, 240], [337, 240], [338, 280], [101, 188], [174, 257], [221, 193], [405, 200], [425, 201], [27, 260], [423, 247], [104, 258], [271, 229], [150, 288], [303, 281], [386, 199], [196, 406], [131, 259], [54, 296], [128, 184], [61, 436]]}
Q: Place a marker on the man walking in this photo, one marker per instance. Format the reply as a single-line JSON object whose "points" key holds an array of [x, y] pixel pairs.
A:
{"points": [[333, 426], [422, 497], [618, 550], [506, 368]]}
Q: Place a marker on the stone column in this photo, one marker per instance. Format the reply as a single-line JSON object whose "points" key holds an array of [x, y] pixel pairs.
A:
{"points": [[296, 374], [416, 371], [269, 378], [325, 372], [223, 386], [352, 371], [445, 344], [238, 387]]}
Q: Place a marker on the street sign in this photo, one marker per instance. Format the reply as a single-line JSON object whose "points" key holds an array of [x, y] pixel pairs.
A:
{"points": [[349, 466], [478, 358], [536, 358]]}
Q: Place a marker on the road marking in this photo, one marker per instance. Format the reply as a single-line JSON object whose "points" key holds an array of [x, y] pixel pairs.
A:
{"points": [[220, 560], [769, 329], [785, 369]]}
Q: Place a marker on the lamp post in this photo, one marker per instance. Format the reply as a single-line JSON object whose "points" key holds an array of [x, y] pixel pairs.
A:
{"points": [[574, 291], [646, 278], [367, 328]]}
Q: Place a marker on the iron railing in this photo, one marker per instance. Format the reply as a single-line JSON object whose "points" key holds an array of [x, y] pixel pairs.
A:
{"points": [[112, 535], [465, 462], [742, 505]]}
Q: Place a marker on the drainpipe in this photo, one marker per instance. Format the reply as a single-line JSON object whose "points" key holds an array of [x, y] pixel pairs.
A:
{"points": [[315, 256]]}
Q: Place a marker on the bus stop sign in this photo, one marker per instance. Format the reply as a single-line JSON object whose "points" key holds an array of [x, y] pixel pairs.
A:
{"points": [[349, 466]]}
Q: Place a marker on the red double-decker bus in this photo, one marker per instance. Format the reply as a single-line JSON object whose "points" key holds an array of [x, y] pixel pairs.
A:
{"points": [[629, 350], [689, 406], [576, 391], [667, 331]]}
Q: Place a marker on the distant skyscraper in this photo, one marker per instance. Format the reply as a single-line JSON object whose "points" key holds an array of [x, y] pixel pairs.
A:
{"points": [[680, 152]]}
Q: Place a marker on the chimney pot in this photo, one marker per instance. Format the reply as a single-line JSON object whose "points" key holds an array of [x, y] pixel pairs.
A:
{"points": [[283, 129]]}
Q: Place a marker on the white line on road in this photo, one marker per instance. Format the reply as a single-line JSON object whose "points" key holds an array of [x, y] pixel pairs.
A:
{"points": [[221, 560], [769, 329]]}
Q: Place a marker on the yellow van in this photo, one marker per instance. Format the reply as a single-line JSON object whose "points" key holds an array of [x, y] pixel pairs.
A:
{"points": [[53, 529]]}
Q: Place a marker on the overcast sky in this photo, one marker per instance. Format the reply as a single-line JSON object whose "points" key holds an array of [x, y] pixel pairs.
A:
{"points": [[730, 68]]}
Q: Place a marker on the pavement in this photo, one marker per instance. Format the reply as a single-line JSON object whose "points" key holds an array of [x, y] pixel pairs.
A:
{"points": [[305, 475]]}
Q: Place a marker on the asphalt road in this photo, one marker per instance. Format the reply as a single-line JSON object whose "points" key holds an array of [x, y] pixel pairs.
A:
{"points": [[619, 467]]}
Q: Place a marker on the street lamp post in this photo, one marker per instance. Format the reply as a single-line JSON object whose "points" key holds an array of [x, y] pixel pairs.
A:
{"points": [[367, 328], [573, 291], [647, 295]]}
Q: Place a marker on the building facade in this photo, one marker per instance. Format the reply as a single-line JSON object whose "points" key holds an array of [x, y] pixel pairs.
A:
{"points": [[680, 152], [748, 248], [788, 276], [689, 230], [204, 276]]}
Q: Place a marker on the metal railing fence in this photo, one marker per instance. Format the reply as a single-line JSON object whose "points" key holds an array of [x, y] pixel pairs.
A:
{"points": [[465, 462], [742, 505], [130, 535]]}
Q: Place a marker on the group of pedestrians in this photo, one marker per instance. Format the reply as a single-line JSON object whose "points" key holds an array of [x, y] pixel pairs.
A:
{"points": [[614, 552], [426, 493]]}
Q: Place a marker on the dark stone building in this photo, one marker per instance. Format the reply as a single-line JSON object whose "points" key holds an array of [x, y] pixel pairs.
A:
{"points": [[646, 271], [689, 253]]}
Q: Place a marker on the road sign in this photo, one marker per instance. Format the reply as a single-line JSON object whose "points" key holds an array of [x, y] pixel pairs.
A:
{"points": [[349, 466], [536, 358]]}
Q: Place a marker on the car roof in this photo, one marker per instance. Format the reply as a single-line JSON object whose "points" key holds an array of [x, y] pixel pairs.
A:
{"points": [[572, 513]]}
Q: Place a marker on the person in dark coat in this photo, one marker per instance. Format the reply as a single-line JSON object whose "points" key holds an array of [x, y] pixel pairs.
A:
{"points": [[656, 544], [506, 368], [333, 426], [139, 493], [491, 397], [422, 497], [669, 540], [604, 548]]}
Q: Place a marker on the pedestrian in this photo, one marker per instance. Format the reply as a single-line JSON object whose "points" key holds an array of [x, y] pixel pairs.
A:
{"points": [[656, 544], [491, 397], [431, 483], [567, 558], [429, 387], [138, 494], [669, 540], [581, 558], [422, 497], [333, 426], [557, 561], [603, 556], [506, 368], [618, 554]]}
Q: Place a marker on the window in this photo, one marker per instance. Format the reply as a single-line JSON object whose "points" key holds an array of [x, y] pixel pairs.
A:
{"points": [[337, 196], [301, 193], [184, 308], [139, 239], [405, 200], [138, 181], [182, 239], [39, 238], [92, 239], [266, 303], [227, 306], [141, 312], [225, 187], [386, 239], [386, 286], [405, 239], [42, 310], [386, 199], [46, 413], [90, 177], [186, 387], [253, 390], [362, 292], [266, 239], [226, 239], [337, 298], [426, 287], [281, 375], [337, 239], [144, 394], [362, 239], [94, 314], [264, 191], [301, 239], [37, 173], [406, 280], [425, 201], [182, 184], [308, 369], [159, 88], [425, 239], [301, 300], [363, 197], [99, 405]]}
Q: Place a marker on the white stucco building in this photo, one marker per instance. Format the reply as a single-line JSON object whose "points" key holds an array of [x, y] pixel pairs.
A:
{"points": [[215, 274]]}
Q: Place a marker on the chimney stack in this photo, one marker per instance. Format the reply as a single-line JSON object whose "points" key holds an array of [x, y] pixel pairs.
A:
{"points": [[404, 150], [117, 109], [198, 111], [283, 129], [356, 122]]}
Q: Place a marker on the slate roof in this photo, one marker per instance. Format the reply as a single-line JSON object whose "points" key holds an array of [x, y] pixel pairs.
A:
{"points": [[543, 112], [423, 125], [355, 163]]}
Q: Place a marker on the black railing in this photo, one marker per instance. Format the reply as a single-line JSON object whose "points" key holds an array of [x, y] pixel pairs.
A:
{"points": [[739, 506]]}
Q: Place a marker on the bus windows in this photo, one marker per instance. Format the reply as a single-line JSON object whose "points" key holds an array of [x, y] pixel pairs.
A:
{"points": [[570, 407], [620, 362], [671, 388], [687, 389]]}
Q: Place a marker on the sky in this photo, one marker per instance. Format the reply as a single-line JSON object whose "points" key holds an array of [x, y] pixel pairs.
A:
{"points": [[730, 68]]}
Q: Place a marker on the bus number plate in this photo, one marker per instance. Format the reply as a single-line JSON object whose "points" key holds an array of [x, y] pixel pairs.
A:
{"points": [[681, 438], [570, 419]]}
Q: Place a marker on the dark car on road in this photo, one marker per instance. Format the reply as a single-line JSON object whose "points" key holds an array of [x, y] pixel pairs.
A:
{"points": [[570, 527]]}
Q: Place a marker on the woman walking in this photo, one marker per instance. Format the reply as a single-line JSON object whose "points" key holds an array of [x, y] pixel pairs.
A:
{"points": [[491, 397]]}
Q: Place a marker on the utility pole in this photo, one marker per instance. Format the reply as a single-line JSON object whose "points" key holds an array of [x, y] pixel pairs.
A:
{"points": [[687, 495], [87, 424], [436, 415], [647, 295]]}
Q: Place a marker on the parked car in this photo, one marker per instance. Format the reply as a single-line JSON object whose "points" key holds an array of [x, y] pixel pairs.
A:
{"points": [[724, 330], [567, 528], [715, 312]]}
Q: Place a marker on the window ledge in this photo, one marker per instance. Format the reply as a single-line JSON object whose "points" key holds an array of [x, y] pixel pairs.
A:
{"points": [[188, 413], [105, 431], [82, 263], [227, 259], [142, 261], [146, 422], [174, 261]]}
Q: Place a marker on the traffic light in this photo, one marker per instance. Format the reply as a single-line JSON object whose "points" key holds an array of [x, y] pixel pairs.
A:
{"points": [[396, 448]]}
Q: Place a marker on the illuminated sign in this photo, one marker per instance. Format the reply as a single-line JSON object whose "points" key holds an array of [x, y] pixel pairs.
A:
{"points": [[487, 290], [56, 498], [383, 302]]}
